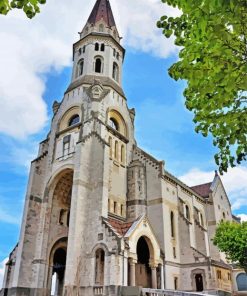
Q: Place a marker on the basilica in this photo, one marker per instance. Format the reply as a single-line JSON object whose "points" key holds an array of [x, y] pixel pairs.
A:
{"points": [[102, 216]]}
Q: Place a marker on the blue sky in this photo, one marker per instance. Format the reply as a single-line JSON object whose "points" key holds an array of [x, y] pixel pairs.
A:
{"points": [[164, 127]]}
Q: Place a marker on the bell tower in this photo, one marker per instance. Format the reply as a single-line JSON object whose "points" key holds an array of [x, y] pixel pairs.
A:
{"points": [[78, 182], [98, 52]]}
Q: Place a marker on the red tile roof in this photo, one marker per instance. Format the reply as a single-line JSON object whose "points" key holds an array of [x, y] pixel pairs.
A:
{"points": [[203, 189], [102, 10], [120, 227]]}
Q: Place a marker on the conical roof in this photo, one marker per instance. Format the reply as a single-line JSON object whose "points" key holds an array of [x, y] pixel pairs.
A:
{"points": [[102, 10]]}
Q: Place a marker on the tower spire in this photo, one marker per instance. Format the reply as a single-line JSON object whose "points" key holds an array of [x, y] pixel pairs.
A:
{"points": [[102, 11], [101, 20]]}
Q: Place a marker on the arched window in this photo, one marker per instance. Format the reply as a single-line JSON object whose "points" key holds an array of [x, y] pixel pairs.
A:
{"points": [[122, 154], [101, 28], [68, 218], [115, 71], [102, 47], [172, 225], [242, 282], [80, 67], [224, 215], [116, 150], [99, 267], [187, 212], [114, 124], [201, 219], [74, 120], [96, 46], [114, 52], [62, 217], [98, 65], [84, 49], [110, 144], [117, 55], [115, 207]]}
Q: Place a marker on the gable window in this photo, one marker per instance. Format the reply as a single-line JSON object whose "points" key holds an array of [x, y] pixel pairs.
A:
{"points": [[74, 120], [98, 65], [102, 47], [96, 46]]}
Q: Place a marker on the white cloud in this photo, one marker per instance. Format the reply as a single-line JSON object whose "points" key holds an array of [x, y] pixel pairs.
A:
{"points": [[33, 47], [235, 183], [243, 217], [2, 269], [7, 218]]}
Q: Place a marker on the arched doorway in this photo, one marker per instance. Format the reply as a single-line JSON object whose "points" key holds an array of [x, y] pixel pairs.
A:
{"points": [[99, 267], [199, 282], [143, 270], [58, 271]]}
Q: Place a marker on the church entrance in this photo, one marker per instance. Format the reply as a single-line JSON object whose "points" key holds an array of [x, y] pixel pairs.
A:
{"points": [[143, 270], [58, 271], [199, 282]]}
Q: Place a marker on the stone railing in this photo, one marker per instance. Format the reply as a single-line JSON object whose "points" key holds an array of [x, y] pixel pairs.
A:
{"points": [[98, 291], [153, 292]]}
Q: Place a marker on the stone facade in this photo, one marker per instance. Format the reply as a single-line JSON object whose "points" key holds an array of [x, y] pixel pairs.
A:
{"points": [[101, 214]]}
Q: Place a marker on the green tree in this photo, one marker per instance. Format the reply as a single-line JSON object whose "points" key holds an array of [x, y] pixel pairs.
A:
{"points": [[30, 7], [231, 238], [212, 36]]}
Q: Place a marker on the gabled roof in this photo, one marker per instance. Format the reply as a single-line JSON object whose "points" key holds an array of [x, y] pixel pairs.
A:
{"points": [[121, 228], [102, 10], [204, 189]]}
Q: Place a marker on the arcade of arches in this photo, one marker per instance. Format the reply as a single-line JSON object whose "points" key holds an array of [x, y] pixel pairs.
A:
{"points": [[143, 271]]}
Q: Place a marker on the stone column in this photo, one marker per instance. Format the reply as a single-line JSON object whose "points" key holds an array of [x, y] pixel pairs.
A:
{"points": [[132, 273], [154, 277], [162, 277]]}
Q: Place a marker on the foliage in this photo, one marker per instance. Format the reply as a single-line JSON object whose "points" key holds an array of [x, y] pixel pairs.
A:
{"points": [[30, 7], [231, 238], [212, 36]]}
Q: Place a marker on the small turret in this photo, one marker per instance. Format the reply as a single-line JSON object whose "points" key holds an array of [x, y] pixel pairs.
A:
{"points": [[137, 201]]}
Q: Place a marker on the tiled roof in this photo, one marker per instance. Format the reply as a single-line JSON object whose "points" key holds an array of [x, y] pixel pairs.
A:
{"points": [[203, 189], [120, 227], [102, 10]]}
